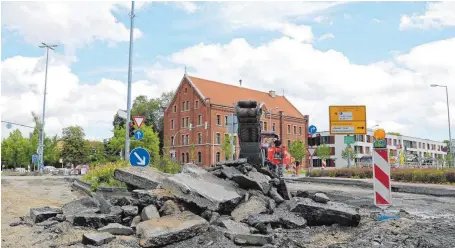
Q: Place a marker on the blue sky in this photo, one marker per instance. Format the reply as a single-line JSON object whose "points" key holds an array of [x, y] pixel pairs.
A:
{"points": [[362, 33], [168, 29]]}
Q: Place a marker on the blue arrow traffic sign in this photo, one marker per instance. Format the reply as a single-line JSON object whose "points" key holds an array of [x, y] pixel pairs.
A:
{"points": [[139, 157], [35, 158], [312, 129], [139, 134]]}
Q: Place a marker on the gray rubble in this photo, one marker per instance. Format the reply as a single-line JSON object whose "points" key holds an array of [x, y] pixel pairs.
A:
{"points": [[140, 177], [116, 229], [234, 202], [97, 239], [324, 214], [44, 213], [170, 229]]}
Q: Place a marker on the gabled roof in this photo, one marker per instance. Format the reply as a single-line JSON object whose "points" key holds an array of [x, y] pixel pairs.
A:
{"points": [[227, 95]]}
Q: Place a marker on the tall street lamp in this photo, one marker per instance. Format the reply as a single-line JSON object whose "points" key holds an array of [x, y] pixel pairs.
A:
{"points": [[41, 145], [448, 118]]}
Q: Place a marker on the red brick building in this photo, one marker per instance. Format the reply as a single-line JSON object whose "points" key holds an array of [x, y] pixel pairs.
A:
{"points": [[206, 105]]}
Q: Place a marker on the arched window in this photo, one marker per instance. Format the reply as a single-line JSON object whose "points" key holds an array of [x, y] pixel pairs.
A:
{"points": [[218, 155], [187, 157], [199, 157], [183, 157]]}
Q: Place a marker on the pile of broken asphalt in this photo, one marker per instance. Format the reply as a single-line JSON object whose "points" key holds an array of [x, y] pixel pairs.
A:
{"points": [[240, 204]]}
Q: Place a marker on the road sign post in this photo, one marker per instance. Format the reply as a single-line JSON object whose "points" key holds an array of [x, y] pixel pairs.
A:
{"points": [[139, 157], [311, 152]]}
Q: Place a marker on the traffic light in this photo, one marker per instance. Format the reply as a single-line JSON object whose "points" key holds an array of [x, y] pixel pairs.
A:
{"points": [[132, 129]]}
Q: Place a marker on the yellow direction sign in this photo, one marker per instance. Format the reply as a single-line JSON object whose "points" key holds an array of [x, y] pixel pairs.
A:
{"points": [[348, 119]]}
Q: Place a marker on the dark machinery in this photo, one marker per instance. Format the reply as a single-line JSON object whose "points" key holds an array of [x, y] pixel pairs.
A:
{"points": [[249, 132]]}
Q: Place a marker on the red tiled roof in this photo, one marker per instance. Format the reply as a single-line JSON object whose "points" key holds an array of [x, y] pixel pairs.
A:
{"points": [[226, 94]]}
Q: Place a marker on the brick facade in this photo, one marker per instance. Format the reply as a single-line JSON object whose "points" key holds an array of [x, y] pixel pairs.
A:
{"points": [[188, 105]]}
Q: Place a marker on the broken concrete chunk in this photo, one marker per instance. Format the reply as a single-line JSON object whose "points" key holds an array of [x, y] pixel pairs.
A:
{"points": [[206, 192], [255, 219], [272, 205], [283, 190], [192, 170], [47, 223], [275, 196], [246, 182], [127, 220], [235, 227], [324, 214], [116, 229], [262, 179], [97, 239], [140, 177], [234, 163], [121, 201], [229, 172], [251, 239], [136, 220], [149, 212], [130, 210], [170, 229], [293, 222], [254, 205], [95, 220], [147, 197], [44, 213], [86, 205], [169, 208], [320, 197]]}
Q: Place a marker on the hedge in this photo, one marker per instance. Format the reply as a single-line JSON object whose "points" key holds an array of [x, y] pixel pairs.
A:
{"points": [[427, 175]]}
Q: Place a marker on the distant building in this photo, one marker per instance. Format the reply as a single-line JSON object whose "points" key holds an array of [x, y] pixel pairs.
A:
{"points": [[207, 104], [413, 150]]}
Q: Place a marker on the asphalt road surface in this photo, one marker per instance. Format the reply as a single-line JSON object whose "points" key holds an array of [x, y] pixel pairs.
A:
{"points": [[423, 206]]}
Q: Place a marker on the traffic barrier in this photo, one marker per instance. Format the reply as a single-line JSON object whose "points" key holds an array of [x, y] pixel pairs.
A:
{"points": [[381, 178]]}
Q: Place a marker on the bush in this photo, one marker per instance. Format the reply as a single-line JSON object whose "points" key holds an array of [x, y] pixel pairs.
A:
{"points": [[426, 175], [167, 165], [102, 175]]}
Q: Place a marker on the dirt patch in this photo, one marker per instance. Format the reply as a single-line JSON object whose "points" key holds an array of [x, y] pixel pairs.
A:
{"points": [[18, 196]]}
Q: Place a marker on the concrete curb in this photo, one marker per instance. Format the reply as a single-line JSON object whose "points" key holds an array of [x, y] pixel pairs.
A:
{"points": [[412, 189]]}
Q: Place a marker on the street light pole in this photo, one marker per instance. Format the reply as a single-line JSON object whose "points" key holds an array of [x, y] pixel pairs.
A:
{"points": [[448, 119], [41, 145], [128, 104]]}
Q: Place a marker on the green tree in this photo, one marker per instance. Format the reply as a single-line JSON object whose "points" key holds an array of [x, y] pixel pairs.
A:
{"points": [[75, 147], [226, 147], [345, 153], [15, 150], [298, 150], [150, 142], [96, 151], [51, 153], [323, 152], [192, 153]]}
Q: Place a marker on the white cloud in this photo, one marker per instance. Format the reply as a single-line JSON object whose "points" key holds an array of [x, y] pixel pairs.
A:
{"points": [[437, 14], [397, 93], [189, 7], [274, 16], [326, 36], [74, 24], [69, 101], [377, 20], [347, 16]]}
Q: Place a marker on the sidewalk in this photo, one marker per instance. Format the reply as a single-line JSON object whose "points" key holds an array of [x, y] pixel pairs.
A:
{"points": [[413, 188]]}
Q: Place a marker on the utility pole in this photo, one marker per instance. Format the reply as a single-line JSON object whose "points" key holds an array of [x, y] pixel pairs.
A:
{"points": [[448, 119], [41, 145], [128, 104]]}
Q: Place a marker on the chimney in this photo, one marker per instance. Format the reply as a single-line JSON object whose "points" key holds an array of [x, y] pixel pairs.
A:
{"points": [[272, 93]]}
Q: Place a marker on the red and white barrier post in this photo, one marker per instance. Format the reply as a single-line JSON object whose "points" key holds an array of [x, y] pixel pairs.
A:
{"points": [[381, 171], [381, 178]]}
